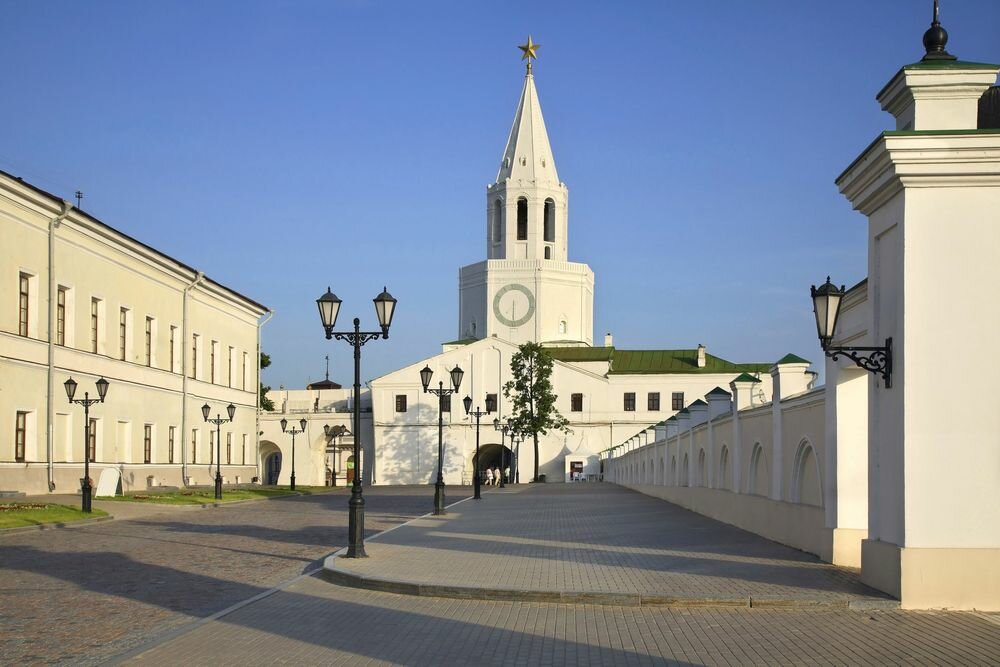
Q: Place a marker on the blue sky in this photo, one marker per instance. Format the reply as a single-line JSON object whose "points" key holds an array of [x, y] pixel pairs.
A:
{"points": [[285, 146]]}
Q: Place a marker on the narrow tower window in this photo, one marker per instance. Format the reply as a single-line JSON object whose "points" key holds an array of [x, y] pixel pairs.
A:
{"points": [[550, 221], [497, 221], [522, 219]]}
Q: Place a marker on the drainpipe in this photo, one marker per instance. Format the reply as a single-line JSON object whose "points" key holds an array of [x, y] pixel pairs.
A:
{"points": [[256, 437], [199, 276], [49, 398]]}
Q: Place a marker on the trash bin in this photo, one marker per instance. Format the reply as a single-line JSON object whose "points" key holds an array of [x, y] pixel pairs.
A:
{"points": [[541, 478]]}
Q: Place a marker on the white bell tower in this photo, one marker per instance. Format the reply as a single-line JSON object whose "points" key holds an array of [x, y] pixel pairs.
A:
{"points": [[527, 289]]}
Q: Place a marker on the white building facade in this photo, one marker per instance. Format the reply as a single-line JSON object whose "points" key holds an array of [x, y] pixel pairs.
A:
{"points": [[79, 298]]}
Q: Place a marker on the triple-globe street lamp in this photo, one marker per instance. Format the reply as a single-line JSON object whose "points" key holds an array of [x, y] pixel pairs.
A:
{"points": [[218, 421], [294, 432], [86, 402], [456, 381], [491, 405], [329, 308]]}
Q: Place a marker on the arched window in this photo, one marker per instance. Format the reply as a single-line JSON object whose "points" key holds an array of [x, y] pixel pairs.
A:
{"points": [[723, 481], [562, 326], [550, 221], [684, 471], [548, 252], [758, 479], [497, 221], [673, 470], [522, 219], [701, 481], [807, 487]]}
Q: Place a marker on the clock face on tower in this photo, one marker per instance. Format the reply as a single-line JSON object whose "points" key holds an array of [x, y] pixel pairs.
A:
{"points": [[514, 304]]}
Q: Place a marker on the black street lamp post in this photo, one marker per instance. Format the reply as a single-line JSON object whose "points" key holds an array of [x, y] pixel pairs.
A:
{"points": [[333, 433], [86, 402], [294, 432], [516, 438], [218, 421], [826, 306], [440, 392], [329, 307], [505, 429], [477, 413]]}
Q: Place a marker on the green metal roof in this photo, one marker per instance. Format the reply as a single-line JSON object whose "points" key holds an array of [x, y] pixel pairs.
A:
{"points": [[793, 359], [652, 362], [746, 377], [461, 341], [580, 353], [699, 403], [950, 64], [719, 391]]}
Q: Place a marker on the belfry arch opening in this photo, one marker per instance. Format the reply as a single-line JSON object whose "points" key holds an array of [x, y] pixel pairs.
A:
{"points": [[522, 219], [496, 224], [549, 218]]}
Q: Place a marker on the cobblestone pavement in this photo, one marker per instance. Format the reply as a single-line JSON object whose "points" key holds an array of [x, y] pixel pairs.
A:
{"points": [[600, 539], [313, 622], [82, 594]]}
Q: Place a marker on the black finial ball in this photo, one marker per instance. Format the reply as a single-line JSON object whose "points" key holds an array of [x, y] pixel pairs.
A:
{"points": [[935, 39]]}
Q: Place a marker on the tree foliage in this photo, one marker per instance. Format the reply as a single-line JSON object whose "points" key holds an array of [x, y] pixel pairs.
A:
{"points": [[533, 404], [264, 402]]}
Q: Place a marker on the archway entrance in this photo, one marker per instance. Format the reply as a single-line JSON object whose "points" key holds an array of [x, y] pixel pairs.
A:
{"points": [[270, 457], [272, 468], [494, 456]]}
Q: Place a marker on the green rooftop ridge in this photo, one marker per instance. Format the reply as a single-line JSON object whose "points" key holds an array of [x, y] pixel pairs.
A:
{"points": [[793, 359], [719, 391], [746, 377], [699, 403]]}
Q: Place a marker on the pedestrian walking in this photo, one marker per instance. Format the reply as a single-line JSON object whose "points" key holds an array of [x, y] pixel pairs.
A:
{"points": [[496, 476], [489, 477], [506, 474]]}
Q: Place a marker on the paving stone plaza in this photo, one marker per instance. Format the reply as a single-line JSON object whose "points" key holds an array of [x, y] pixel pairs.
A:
{"points": [[640, 581]]}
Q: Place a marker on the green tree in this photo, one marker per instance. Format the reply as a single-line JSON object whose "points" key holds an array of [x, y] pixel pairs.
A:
{"points": [[265, 402], [533, 405]]}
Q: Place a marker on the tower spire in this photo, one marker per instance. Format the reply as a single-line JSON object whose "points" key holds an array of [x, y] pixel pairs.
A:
{"points": [[936, 38]]}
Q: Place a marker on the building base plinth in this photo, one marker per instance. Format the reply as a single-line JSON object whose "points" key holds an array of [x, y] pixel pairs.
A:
{"points": [[926, 578]]}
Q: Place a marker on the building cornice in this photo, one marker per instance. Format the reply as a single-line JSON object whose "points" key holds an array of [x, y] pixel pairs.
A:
{"points": [[898, 159]]}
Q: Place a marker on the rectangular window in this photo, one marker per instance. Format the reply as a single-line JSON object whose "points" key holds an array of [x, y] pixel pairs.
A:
{"points": [[122, 330], [20, 436], [629, 401], [194, 445], [576, 403], [229, 448], [149, 341], [229, 375], [445, 403], [22, 313], [677, 400], [170, 445], [173, 341], [94, 319], [147, 444], [245, 369], [400, 402], [211, 362], [92, 445], [61, 316], [653, 401], [244, 449], [194, 357]]}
